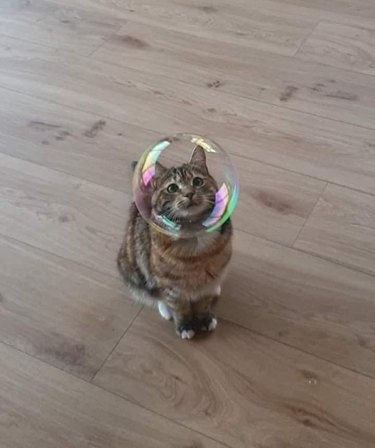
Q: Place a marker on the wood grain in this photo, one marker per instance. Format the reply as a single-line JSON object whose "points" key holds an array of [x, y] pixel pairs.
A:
{"points": [[61, 214], [58, 311], [342, 46], [340, 11], [242, 389], [293, 12], [279, 201], [306, 302], [341, 228], [274, 203], [44, 407], [321, 148], [362, 8], [22, 10], [287, 88], [63, 29], [83, 145], [243, 24], [247, 72]]}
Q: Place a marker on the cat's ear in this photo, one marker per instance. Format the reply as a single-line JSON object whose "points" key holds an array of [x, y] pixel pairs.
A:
{"points": [[159, 169], [198, 159]]}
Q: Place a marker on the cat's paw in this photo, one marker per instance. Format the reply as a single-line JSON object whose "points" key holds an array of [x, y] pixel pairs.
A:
{"points": [[164, 311], [208, 323], [186, 331]]}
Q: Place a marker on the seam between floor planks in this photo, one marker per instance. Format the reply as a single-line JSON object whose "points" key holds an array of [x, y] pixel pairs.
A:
{"points": [[268, 103], [226, 92], [291, 246], [286, 246], [115, 346], [96, 386], [177, 422], [309, 214], [221, 319], [348, 70], [234, 94], [90, 182], [303, 41], [254, 159]]}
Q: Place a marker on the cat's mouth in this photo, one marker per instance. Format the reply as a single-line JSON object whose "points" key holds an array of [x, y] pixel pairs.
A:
{"points": [[187, 211], [189, 204], [190, 212]]}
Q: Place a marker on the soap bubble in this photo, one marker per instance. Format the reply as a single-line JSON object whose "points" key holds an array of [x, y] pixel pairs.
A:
{"points": [[185, 186]]}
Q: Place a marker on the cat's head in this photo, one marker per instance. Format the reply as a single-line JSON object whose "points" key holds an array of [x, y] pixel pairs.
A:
{"points": [[184, 194]]}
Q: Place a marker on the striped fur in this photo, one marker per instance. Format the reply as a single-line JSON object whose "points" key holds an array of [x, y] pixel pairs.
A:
{"points": [[184, 274]]}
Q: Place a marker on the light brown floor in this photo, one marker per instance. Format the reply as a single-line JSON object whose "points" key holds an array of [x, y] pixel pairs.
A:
{"points": [[288, 88]]}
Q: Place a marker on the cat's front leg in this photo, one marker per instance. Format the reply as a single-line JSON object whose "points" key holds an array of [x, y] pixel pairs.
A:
{"points": [[183, 317], [205, 319], [164, 310]]}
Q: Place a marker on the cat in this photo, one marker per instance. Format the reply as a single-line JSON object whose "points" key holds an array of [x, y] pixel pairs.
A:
{"points": [[182, 276]]}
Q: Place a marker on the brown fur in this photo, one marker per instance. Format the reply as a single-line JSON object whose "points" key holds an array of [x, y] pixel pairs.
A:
{"points": [[184, 273]]}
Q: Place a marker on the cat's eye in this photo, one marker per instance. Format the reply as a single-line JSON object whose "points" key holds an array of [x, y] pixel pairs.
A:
{"points": [[173, 188], [198, 182]]}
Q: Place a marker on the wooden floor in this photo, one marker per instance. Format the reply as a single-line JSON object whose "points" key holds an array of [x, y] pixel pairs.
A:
{"points": [[288, 88]]}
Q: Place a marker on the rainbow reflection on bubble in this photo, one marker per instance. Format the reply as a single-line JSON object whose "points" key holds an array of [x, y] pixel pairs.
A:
{"points": [[148, 168], [225, 203], [182, 146]]}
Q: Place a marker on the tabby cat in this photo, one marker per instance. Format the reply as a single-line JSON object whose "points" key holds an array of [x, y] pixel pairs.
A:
{"points": [[182, 276]]}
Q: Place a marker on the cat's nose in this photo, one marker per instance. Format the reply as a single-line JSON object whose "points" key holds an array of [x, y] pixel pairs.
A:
{"points": [[189, 195]]}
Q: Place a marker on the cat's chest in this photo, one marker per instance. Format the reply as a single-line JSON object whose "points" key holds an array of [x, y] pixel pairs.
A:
{"points": [[197, 269], [200, 280]]}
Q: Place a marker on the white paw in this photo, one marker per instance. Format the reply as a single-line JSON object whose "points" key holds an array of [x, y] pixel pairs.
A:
{"points": [[164, 311], [213, 324], [187, 334], [218, 290]]}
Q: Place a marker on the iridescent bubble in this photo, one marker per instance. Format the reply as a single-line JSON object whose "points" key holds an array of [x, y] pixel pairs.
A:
{"points": [[185, 185]]}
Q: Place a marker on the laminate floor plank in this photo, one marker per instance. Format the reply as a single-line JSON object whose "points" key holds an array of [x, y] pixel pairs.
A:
{"points": [[345, 46], [269, 19], [80, 144], [244, 24], [349, 12], [274, 204], [307, 144], [101, 151], [58, 311], [21, 10], [241, 388], [281, 80], [44, 407], [361, 9], [64, 215], [309, 303], [287, 88], [341, 228], [63, 28]]}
